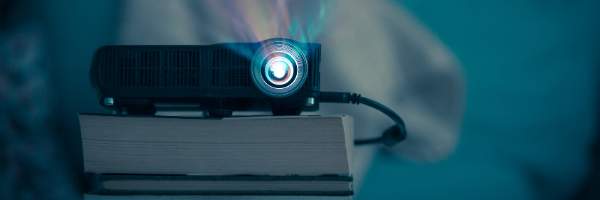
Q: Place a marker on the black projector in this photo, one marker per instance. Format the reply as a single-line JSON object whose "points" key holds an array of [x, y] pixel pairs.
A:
{"points": [[278, 75]]}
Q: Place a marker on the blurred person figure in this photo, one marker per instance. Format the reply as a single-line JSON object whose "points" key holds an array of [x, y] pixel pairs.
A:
{"points": [[374, 48]]}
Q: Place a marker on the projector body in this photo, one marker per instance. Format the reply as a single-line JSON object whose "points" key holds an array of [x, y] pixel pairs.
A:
{"points": [[278, 75]]}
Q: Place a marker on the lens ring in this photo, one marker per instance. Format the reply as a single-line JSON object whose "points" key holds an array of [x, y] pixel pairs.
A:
{"points": [[279, 52]]}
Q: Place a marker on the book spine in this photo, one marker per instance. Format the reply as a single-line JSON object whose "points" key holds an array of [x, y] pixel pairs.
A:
{"points": [[220, 192]]}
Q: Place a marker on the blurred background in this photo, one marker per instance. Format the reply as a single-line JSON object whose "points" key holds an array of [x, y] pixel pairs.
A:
{"points": [[529, 128]]}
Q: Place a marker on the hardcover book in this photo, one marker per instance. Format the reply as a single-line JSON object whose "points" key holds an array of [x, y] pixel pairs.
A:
{"points": [[210, 197], [270, 146], [224, 185]]}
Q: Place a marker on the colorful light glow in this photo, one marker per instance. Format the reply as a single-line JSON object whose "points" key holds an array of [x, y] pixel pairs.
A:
{"points": [[254, 21]]}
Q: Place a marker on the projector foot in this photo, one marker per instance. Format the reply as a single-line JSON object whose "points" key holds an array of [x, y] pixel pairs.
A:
{"points": [[220, 113], [287, 111], [142, 110]]}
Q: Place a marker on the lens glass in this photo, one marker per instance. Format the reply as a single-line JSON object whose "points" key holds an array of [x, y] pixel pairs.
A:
{"points": [[279, 71]]}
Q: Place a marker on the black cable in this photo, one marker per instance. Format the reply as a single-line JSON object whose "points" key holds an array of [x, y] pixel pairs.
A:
{"points": [[390, 136], [368, 141]]}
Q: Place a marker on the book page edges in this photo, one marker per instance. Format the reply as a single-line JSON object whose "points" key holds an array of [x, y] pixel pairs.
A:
{"points": [[348, 123]]}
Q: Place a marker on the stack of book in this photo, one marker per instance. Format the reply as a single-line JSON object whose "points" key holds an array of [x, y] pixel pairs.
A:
{"points": [[153, 157]]}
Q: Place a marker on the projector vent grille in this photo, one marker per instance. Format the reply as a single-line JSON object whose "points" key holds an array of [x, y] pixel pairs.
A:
{"points": [[174, 68]]}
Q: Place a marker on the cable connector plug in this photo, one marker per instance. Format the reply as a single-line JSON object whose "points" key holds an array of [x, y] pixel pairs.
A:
{"points": [[339, 97]]}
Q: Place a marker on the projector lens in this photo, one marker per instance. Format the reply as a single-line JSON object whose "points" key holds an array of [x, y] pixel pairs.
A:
{"points": [[279, 71], [279, 68]]}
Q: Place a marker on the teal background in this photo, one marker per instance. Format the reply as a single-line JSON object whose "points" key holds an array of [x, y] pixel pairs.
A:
{"points": [[531, 70], [530, 117]]}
